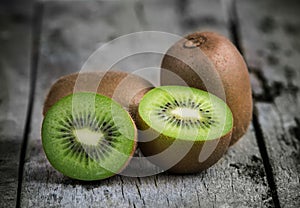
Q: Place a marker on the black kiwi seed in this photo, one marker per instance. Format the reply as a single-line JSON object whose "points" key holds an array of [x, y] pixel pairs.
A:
{"points": [[82, 123]]}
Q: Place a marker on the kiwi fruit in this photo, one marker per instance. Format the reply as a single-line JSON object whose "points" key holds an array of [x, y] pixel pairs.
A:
{"points": [[126, 89], [228, 63], [183, 129], [87, 136]]}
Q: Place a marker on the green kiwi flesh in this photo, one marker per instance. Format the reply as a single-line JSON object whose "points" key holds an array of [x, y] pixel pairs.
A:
{"points": [[88, 136], [188, 116]]}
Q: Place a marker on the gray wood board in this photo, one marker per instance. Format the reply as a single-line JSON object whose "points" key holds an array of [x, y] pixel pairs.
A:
{"points": [[71, 32], [14, 94], [270, 39]]}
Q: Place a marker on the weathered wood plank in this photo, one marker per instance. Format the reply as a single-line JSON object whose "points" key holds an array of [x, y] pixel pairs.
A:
{"points": [[14, 93], [70, 33], [270, 39]]}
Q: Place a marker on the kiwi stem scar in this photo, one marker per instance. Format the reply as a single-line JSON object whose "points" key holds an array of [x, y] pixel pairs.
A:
{"points": [[87, 136]]}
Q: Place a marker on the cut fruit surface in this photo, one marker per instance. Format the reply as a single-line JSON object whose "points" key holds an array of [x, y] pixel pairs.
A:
{"points": [[88, 136], [185, 113]]}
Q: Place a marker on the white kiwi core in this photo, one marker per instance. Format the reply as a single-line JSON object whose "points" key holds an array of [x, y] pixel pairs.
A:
{"points": [[88, 137], [186, 113]]}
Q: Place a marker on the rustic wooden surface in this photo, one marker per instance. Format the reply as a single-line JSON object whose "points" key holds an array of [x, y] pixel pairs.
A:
{"points": [[270, 39], [14, 93], [274, 62], [262, 170]]}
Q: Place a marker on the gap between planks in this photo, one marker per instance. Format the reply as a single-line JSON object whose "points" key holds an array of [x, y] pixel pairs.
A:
{"points": [[36, 33]]}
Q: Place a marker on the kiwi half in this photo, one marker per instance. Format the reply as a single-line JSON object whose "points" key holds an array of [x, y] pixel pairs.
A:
{"points": [[126, 89], [185, 130], [228, 63], [88, 136]]}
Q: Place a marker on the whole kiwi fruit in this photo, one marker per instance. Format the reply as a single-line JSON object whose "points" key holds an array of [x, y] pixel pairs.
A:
{"points": [[183, 130], [127, 89], [228, 63], [87, 136]]}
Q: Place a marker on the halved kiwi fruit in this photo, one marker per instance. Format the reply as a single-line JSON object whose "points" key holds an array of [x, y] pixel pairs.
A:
{"points": [[88, 136], [126, 89], [184, 130], [228, 63]]}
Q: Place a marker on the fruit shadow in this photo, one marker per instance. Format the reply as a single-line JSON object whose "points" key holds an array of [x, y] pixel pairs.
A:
{"points": [[40, 171]]}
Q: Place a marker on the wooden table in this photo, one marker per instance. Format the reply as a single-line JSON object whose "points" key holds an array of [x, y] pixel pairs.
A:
{"points": [[44, 40]]}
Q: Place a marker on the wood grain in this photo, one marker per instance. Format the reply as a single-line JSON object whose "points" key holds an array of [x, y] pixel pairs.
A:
{"points": [[14, 93], [70, 33], [270, 39]]}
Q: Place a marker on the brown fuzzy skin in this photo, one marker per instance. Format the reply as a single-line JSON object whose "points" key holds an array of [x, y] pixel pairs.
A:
{"points": [[134, 103], [227, 61], [189, 163], [126, 89]]}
